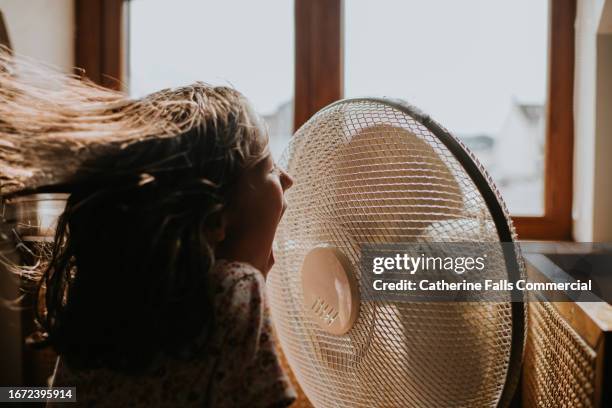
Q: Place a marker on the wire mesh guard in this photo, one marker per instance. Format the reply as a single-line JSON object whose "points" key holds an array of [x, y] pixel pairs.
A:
{"points": [[566, 377], [367, 172]]}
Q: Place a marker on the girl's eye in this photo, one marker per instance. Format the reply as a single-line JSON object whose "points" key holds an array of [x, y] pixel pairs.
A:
{"points": [[275, 169]]}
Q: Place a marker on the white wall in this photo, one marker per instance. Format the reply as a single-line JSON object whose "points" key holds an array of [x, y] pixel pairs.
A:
{"points": [[602, 230], [592, 211], [43, 29]]}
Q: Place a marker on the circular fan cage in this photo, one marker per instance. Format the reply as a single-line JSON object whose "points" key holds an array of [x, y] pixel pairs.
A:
{"points": [[377, 171]]}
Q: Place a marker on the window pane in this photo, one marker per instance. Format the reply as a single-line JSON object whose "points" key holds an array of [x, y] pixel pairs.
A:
{"points": [[244, 44], [479, 67]]}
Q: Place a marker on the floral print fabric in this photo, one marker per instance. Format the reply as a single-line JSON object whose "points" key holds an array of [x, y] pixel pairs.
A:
{"points": [[237, 367]]}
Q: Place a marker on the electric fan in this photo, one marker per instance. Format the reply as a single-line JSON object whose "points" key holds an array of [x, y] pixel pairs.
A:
{"points": [[377, 171]]}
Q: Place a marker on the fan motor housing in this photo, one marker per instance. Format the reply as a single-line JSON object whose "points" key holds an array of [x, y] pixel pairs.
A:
{"points": [[331, 296]]}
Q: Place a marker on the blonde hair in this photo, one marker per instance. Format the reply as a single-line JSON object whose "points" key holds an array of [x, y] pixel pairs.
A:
{"points": [[51, 123], [146, 179]]}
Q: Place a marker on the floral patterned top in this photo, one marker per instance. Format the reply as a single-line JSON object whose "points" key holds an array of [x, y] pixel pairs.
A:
{"points": [[239, 368]]}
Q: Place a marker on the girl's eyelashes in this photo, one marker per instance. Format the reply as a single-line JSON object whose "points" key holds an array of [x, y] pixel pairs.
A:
{"points": [[275, 169]]}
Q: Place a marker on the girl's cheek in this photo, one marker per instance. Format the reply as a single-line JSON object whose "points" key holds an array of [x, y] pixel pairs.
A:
{"points": [[278, 197]]}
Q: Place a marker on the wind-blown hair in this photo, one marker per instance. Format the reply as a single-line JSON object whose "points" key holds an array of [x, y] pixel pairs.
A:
{"points": [[126, 274]]}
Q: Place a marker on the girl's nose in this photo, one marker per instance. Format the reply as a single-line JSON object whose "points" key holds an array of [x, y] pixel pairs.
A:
{"points": [[286, 180]]}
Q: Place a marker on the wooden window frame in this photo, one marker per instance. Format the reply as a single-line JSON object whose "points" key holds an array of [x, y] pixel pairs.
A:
{"points": [[556, 223], [100, 36]]}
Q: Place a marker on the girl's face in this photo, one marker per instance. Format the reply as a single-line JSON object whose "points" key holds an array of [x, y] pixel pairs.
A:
{"points": [[254, 213]]}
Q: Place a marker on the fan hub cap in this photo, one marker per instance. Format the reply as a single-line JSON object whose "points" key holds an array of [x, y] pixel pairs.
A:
{"points": [[331, 296]]}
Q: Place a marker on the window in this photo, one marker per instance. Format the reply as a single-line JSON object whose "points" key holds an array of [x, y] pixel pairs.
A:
{"points": [[484, 69], [472, 68], [319, 62], [223, 43]]}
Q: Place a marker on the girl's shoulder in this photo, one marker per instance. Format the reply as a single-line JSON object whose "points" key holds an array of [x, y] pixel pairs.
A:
{"points": [[238, 294], [227, 274]]}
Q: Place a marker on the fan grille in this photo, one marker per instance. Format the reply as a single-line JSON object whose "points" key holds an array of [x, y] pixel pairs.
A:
{"points": [[366, 172]]}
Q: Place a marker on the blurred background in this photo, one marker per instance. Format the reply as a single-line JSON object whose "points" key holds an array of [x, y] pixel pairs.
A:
{"points": [[478, 75]]}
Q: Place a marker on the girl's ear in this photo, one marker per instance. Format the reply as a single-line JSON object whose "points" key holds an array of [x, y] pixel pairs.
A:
{"points": [[217, 232]]}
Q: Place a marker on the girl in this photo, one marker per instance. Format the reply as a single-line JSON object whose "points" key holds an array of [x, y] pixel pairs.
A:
{"points": [[152, 292]]}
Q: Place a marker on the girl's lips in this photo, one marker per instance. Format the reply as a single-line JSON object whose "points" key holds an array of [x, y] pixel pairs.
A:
{"points": [[271, 260]]}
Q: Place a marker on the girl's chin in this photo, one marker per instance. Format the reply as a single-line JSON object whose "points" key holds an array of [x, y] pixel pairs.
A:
{"points": [[270, 261]]}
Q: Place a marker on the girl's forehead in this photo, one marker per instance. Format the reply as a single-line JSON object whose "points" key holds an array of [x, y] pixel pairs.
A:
{"points": [[265, 161]]}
